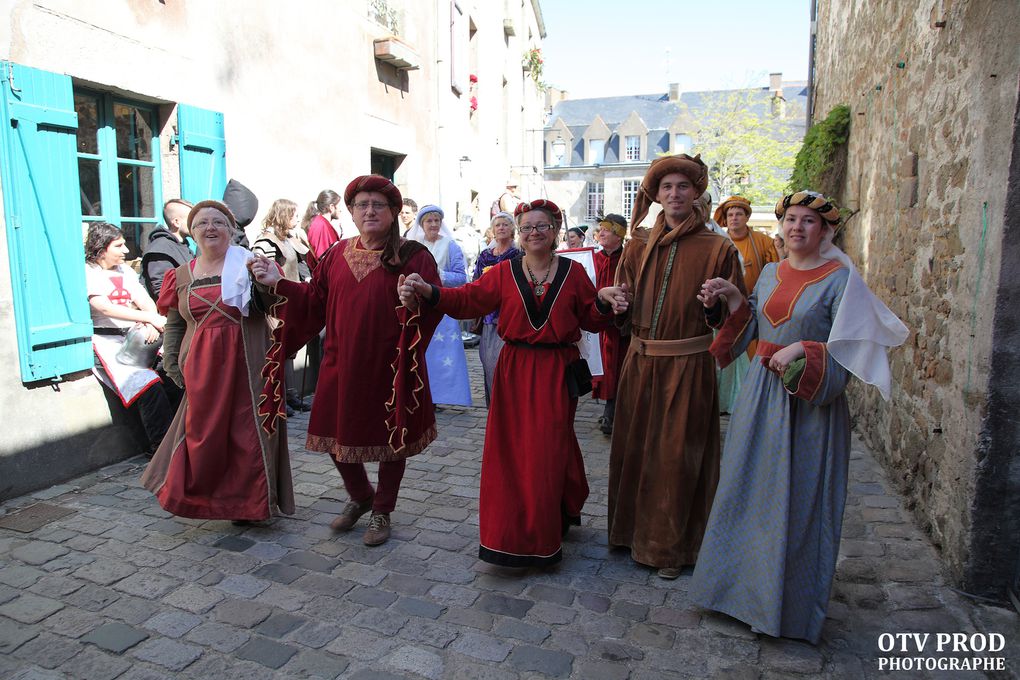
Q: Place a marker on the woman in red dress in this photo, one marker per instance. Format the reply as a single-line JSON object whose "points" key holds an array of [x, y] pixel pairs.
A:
{"points": [[533, 482], [217, 461]]}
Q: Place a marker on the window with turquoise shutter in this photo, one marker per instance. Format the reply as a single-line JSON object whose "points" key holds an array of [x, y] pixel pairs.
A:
{"points": [[119, 164], [43, 222], [202, 143]]}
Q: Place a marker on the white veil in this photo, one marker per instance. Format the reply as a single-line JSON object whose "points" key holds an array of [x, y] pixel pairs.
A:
{"points": [[864, 328]]}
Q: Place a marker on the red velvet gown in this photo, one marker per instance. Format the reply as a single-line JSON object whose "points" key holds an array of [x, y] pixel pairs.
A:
{"points": [[216, 462], [613, 345], [533, 479], [371, 362]]}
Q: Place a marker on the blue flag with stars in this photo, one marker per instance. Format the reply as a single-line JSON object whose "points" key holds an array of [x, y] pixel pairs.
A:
{"points": [[448, 376]]}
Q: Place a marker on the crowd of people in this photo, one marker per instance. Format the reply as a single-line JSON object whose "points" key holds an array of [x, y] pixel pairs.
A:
{"points": [[695, 315]]}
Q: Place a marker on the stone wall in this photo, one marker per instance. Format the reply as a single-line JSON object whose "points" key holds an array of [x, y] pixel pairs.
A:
{"points": [[932, 85]]}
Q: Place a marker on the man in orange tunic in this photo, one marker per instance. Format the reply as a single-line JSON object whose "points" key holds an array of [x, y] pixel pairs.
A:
{"points": [[664, 461], [756, 249]]}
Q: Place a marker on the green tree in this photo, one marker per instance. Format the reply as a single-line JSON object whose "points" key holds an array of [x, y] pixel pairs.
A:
{"points": [[749, 140]]}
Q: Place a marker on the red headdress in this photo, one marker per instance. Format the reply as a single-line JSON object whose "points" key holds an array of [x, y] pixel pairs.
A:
{"points": [[541, 204]]}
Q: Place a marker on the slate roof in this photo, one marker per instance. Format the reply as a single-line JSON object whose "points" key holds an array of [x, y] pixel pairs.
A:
{"points": [[657, 112]]}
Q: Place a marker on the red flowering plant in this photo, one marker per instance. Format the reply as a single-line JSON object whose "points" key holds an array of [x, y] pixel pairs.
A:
{"points": [[472, 89], [532, 63]]}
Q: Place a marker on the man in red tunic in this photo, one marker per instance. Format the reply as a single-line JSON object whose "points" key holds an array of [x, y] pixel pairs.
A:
{"points": [[372, 401], [612, 230]]}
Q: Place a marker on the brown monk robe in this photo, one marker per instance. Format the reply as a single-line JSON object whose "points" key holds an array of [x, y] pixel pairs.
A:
{"points": [[664, 464]]}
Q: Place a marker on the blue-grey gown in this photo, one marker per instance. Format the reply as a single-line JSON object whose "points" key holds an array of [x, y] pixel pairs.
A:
{"points": [[772, 540]]}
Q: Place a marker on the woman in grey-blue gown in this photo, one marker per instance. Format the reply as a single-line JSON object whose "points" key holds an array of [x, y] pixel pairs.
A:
{"points": [[770, 549]]}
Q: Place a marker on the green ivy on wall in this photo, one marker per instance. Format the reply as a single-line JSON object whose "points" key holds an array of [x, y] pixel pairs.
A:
{"points": [[821, 161]]}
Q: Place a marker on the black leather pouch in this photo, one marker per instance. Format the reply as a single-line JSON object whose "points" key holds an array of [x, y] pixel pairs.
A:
{"points": [[578, 379]]}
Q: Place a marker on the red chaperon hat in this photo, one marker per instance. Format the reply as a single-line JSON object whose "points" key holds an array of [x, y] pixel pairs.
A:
{"points": [[541, 204], [376, 183]]}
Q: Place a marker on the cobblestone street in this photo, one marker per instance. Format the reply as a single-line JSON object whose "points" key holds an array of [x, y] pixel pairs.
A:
{"points": [[113, 587]]}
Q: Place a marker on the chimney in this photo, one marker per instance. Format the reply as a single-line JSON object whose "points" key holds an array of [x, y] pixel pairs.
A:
{"points": [[554, 96], [674, 92], [776, 84]]}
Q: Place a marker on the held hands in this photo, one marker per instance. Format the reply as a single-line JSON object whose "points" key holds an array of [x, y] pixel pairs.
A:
{"points": [[715, 288], [617, 297], [409, 288], [264, 270], [782, 359]]}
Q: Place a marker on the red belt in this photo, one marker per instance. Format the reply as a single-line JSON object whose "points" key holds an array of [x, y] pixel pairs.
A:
{"points": [[767, 349]]}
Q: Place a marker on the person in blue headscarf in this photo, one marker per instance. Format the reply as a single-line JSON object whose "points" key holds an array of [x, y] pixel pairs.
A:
{"points": [[447, 364]]}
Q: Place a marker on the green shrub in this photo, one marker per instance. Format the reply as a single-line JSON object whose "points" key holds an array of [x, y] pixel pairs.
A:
{"points": [[821, 161]]}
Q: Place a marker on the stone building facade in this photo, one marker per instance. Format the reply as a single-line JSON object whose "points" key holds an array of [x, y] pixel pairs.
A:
{"points": [[298, 97], [932, 178], [598, 149]]}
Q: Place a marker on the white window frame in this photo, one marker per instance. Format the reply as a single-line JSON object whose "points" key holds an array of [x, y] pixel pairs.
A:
{"points": [[596, 151], [630, 189], [632, 147], [596, 192], [686, 147]]}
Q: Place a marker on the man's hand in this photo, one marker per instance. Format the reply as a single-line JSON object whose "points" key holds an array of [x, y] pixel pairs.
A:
{"points": [[715, 288], [409, 288], [264, 270], [617, 297]]}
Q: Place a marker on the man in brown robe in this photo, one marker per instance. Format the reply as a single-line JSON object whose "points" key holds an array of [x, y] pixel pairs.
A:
{"points": [[664, 463]]}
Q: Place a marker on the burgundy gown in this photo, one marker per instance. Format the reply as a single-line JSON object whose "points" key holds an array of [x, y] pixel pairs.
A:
{"points": [[533, 479], [216, 461]]}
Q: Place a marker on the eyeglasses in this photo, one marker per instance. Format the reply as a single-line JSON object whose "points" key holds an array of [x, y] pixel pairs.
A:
{"points": [[376, 205], [211, 224], [540, 228]]}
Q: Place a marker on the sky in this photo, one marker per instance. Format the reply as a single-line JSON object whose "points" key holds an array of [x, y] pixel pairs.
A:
{"points": [[596, 48]]}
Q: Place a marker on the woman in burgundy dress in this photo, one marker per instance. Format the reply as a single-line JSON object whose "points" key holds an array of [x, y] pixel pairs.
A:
{"points": [[217, 461], [533, 482]]}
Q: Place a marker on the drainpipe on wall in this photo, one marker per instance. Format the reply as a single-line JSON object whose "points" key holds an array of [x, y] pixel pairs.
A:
{"points": [[811, 65]]}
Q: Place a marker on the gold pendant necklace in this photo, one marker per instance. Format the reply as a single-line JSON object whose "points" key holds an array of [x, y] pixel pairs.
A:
{"points": [[540, 285]]}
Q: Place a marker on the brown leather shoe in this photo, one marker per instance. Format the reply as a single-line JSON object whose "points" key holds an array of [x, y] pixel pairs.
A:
{"points": [[351, 514], [378, 531], [669, 573]]}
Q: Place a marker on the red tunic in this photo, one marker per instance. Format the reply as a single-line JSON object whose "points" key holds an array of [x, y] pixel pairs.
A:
{"points": [[215, 462], [321, 235], [355, 298], [613, 345], [532, 472]]}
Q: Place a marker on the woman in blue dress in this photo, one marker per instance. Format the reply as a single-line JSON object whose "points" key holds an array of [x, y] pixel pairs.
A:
{"points": [[447, 364], [770, 549]]}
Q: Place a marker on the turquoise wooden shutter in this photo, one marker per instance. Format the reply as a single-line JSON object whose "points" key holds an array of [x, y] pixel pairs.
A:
{"points": [[42, 206], [203, 151]]}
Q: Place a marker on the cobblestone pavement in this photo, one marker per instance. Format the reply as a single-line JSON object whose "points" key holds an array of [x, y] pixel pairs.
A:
{"points": [[117, 588]]}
